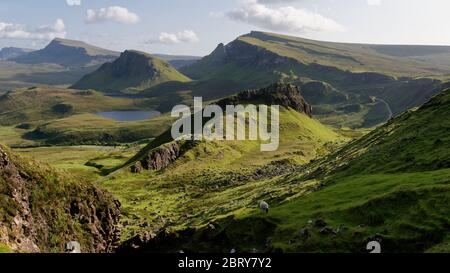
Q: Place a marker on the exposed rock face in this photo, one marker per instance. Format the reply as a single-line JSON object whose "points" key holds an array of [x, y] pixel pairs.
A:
{"points": [[242, 55], [20, 234], [159, 158], [286, 95], [41, 210]]}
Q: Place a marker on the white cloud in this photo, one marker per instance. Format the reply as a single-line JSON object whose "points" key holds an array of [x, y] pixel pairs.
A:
{"points": [[186, 36], [115, 14], [73, 2], [286, 19], [373, 2], [46, 32]]}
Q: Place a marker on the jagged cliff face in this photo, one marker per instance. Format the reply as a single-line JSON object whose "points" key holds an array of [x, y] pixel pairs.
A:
{"points": [[246, 64], [41, 209], [285, 95], [159, 158]]}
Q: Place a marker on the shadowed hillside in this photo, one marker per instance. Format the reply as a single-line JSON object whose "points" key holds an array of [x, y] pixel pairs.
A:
{"points": [[61, 62], [13, 52], [69, 53]]}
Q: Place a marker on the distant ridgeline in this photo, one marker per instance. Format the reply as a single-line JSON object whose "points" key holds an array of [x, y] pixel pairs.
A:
{"points": [[345, 76], [69, 53]]}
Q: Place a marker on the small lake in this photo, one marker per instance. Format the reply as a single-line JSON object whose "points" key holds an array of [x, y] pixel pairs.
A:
{"points": [[129, 115]]}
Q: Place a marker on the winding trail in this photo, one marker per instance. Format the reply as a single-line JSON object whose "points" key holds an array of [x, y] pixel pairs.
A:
{"points": [[391, 114]]}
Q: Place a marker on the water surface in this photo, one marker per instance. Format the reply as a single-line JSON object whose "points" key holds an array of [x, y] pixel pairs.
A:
{"points": [[129, 115]]}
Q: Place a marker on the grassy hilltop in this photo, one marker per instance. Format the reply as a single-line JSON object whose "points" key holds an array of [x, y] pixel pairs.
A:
{"points": [[390, 185], [131, 72]]}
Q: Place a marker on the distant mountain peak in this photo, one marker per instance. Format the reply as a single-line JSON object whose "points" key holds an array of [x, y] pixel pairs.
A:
{"points": [[133, 70], [69, 53]]}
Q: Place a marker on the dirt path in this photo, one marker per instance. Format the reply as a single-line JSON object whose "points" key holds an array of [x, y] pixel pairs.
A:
{"points": [[391, 114]]}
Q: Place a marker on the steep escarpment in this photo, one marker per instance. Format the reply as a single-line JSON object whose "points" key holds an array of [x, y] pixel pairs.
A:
{"points": [[333, 75], [41, 209]]}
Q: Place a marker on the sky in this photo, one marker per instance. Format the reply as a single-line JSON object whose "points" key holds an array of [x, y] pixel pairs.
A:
{"points": [[195, 27]]}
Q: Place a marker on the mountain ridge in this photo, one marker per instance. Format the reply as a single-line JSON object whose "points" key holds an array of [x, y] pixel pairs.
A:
{"points": [[353, 72], [69, 53], [13, 52]]}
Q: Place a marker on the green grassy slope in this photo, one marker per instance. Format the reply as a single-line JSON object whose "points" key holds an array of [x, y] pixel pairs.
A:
{"points": [[392, 184], [89, 129], [131, 72], [55, 116], [37, 104], [86, 162], [212, 179], [14, 75]]}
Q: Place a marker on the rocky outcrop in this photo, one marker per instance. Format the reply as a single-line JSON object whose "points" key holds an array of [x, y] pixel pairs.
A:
{"points": [[41, 209], [285, 95], [161, 157]]}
